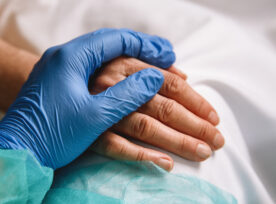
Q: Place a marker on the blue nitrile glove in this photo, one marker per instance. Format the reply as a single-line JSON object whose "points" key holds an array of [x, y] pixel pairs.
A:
{"points": [[56, 118]]}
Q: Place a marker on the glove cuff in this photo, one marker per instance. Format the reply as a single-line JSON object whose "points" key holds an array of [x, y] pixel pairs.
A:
{"points": [[9, 138], [4, 141]]}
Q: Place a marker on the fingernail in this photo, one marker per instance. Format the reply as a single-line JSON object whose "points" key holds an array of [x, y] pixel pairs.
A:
{"points": [[218, 141], [203, 151], [213, 117], [165, 164]]}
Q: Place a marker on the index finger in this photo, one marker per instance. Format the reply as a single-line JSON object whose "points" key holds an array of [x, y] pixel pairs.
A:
{"points": [[178, 89]]}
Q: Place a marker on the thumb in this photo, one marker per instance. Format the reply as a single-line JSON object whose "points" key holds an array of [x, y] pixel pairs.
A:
{"points": [[126, 96]]}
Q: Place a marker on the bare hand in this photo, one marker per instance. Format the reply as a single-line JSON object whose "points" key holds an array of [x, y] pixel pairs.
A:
{"points": [[177, 119]]}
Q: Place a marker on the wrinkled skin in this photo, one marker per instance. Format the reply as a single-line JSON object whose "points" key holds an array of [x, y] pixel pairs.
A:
{"points": [[177, 119]]}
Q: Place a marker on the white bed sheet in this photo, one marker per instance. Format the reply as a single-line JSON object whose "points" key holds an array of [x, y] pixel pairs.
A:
{"points": [[227, 48]]}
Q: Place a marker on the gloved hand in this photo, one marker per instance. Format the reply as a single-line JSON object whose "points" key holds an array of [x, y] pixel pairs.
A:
{"points": [[56, 118]]}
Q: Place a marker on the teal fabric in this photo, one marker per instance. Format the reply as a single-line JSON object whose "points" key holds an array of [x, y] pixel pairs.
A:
{"points": [[22, 179], [63, 195], [105, 182], [134, 182]]}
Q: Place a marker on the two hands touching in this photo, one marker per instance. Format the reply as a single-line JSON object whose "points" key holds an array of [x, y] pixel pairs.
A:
{"points": [[176, 119], [57, 118]]}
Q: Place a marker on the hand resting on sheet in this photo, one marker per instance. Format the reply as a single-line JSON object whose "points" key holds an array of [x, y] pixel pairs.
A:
{"points": [[177, 119]]}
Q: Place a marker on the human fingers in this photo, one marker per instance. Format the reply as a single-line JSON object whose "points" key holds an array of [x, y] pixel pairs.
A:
{"points": [[174, 87], [69, 67], [174, 115], [114, 146], [124, 97], [179, 90], [150, 130], [176, 71]]}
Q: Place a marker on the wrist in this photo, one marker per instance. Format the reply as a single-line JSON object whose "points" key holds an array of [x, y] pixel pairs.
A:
{"points": [[13, 136], [3, 142], [16, 65], [9, 140]]}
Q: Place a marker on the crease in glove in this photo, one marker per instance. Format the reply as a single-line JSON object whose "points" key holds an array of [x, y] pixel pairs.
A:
{"points": [[54, 115]]}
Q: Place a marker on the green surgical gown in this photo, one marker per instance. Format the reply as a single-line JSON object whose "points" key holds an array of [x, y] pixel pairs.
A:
{"points": [[24, 180]]}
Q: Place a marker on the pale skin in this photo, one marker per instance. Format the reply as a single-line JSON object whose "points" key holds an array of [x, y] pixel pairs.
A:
{"points": [[177, 119]]}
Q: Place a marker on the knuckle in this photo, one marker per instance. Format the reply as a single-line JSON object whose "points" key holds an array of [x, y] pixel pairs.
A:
{"points": [[166, 110], [173, 84], [140, 155], [104, 82], [121, 150], [127, 64], [140, 127], [183, 145], [204, 129], [201, 106], [144, 128], [109, 145]]}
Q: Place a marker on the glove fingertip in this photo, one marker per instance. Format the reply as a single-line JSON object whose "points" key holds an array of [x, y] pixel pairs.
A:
{"points": [[138, 87], [125, 97], [166, 61], [152, 79], [157, 51]]}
